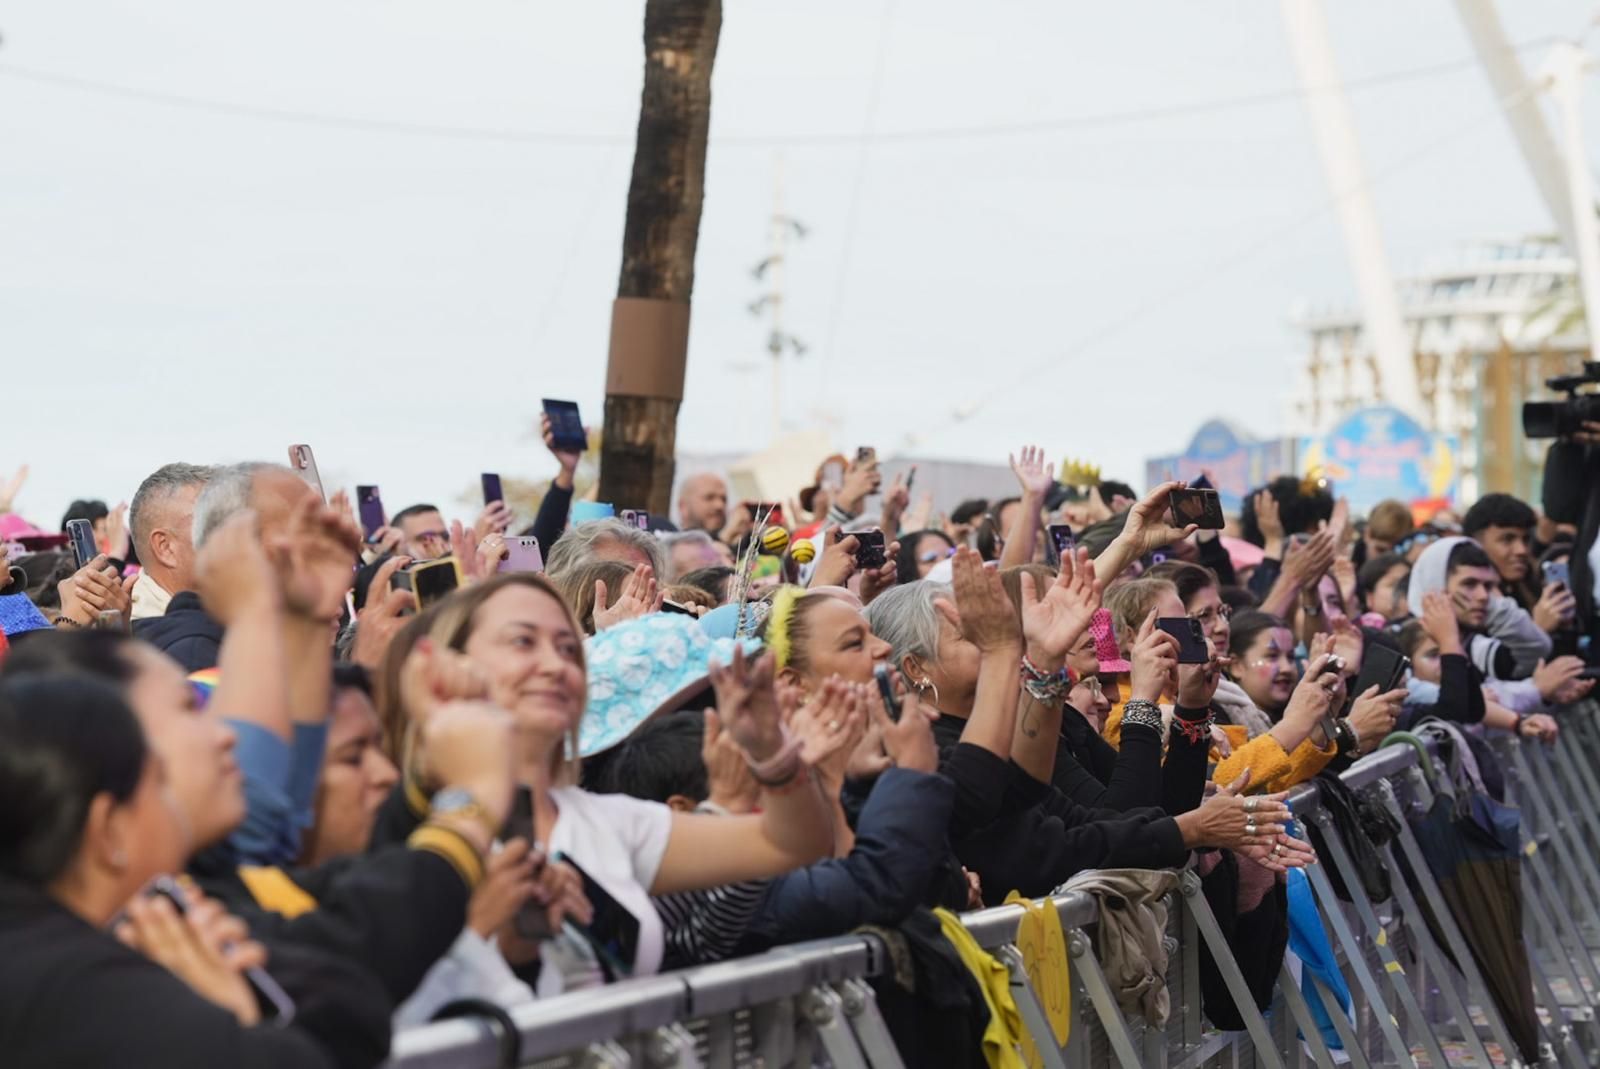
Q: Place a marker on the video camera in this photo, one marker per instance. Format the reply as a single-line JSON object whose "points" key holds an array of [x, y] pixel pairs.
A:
{"points": [[1560, 419]]}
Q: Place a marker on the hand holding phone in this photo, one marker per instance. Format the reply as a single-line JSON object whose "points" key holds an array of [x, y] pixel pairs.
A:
{"points": [[870, 549], [84, 547], [304, 463], [1200, 507], [522, 555], [492, 491], [369, 505], [566, 426], [431, 581], [1062, 541]]}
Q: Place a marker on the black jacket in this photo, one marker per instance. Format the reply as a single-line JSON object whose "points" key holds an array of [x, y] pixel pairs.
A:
{"points": [[1036, 837], [396, 911], [73, 997], [893, 869], [187, 633], [1092, 772]]}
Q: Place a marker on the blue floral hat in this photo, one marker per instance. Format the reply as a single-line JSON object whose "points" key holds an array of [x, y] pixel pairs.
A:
{"points": [[644, 668]]}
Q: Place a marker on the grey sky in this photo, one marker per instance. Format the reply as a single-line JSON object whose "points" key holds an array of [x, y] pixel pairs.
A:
{"points": [[180, 284]]}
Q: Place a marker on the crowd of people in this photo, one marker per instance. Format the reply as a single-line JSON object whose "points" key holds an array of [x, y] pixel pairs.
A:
{"points": [[267, 794]]}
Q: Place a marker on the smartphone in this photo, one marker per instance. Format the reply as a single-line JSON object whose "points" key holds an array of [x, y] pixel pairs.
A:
{"points": [[673, 606], [370, 507], [1555, 571], [566, 426], [304, 462], [1191, 640], [869, 548], [430, 581], [911, 477], [1062, 541], [491, 488], [84, 547], [1202, 507], [522, 555], [266, 988], [891, 704], [614, 930], [833, 475], [1381, 667], [866, 454], [636, 518]]}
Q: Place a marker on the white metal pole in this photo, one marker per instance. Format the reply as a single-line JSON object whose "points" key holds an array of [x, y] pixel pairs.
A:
{"points": [[1334, 125], [1566, 72], [1521, 104]]}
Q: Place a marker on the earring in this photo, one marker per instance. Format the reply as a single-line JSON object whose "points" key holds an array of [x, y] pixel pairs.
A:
{"points": [[927, 684]]}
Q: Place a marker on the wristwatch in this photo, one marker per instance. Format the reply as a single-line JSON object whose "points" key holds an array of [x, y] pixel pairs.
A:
{"points": [[460, 803]]}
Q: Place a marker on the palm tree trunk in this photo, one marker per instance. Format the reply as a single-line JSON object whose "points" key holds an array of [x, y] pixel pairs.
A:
{"points": [[650, 320]]}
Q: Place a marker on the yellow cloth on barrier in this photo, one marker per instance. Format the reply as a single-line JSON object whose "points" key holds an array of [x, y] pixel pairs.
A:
{"points": [[1044, 954], [1005, 1029]]}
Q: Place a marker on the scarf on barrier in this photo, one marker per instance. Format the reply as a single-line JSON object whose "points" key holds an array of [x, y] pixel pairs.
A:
{"points": [[1005, 1030]]}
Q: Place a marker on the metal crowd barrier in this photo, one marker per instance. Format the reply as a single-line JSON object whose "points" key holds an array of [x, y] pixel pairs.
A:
{"points": [[1418, 994]]}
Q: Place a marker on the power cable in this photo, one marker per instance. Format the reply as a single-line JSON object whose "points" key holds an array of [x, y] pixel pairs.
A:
{"points": [[740, 141], [1210, 273]]}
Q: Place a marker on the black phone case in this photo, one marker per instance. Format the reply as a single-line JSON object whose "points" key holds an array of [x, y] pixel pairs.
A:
{"points": [[1191, 640]]}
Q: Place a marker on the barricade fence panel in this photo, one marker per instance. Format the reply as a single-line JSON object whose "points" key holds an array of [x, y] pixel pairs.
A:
{"points": [[1422, 989]]}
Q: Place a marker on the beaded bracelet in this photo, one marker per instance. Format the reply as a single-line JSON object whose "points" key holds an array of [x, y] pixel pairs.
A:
{"points": [[1138, 711], [1046, 688]]}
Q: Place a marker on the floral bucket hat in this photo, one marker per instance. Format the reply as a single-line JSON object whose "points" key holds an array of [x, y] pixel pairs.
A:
{"points": [[644, 668]]}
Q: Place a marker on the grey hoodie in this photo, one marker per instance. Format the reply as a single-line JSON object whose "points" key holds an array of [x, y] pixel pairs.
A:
{"points": [[1509, 625]]}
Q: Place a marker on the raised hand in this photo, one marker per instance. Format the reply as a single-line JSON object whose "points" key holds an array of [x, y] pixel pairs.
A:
{"points": [[732, 787], [1034, 474], [467, 744], [982, 612], [315, 557], [830, 727], [181, 944], [861, 480], [1147, 527], [1313, 696], [1154, 658], [495, 519], [11, 488], [1054, 620], [434, 675], [1555, 608], [1228, 819], [1559, 681], [233, 573], [381, 618], [118, 539], [1439, 621], [1304, 563], [1343, 571], [1269, 521], [876, 580], [94, 589], [640, 595], [838, 561], [1284, 853], [1373, 715], [747, 703], [907, 742], [567, 458]]}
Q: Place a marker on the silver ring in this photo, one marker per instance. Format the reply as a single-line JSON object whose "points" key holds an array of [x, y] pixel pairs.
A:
{"points": [[1250, 804], [1250, 827], [833, 725], [1277, 849]]}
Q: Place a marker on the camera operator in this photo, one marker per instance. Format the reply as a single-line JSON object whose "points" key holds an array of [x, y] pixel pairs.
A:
{"points": [[1572, 483]]}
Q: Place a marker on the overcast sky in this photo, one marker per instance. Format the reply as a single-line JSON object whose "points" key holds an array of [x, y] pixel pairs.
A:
{"points": [[190, 283]]}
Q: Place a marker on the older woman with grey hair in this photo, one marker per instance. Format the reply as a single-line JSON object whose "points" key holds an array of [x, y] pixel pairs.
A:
{"points": [[960, 647]]}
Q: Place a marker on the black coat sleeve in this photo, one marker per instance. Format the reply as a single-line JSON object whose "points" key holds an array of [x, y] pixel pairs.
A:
{"points": [[1460, 693], [396, 912], [1136, 777], [1038, 849], [551, 521], [900, 843], [1183, 777], [124, 1010]]}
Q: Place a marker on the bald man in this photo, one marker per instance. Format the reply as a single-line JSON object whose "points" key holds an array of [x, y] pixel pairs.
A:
{"points": [[703, 504]]}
